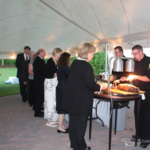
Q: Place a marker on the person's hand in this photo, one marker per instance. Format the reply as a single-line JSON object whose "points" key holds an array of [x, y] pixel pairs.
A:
{"points": [[132, 77], [25, 83], [55, 75], [116, 81], [123, 78], [104, 86]]}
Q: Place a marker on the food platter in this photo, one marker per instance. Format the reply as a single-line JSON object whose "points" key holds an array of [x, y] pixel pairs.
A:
{"points": [[117, 92]]}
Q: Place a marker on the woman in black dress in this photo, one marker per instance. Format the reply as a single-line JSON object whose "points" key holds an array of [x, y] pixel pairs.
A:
{"points": [[62, 75], [78, 96]]}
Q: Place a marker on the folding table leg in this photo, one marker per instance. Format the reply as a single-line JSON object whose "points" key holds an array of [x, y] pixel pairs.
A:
{"points": [[90, 126], [110, 127], [116, 112], [137, 120]]}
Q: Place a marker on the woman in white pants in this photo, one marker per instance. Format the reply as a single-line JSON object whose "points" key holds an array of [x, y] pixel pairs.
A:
{"points": [[50, 89]]}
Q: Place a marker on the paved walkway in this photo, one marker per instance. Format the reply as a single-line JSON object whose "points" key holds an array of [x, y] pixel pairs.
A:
{"points": [[19, 130]]}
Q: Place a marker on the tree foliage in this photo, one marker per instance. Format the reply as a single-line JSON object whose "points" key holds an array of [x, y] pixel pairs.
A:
{"points": [[97, 63], [73, 58]]}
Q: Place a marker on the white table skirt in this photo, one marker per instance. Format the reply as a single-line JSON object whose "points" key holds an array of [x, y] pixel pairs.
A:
{"points": [[103, 110]]}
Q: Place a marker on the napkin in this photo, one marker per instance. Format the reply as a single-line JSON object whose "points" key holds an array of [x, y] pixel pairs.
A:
{"points": [[142, 96]]}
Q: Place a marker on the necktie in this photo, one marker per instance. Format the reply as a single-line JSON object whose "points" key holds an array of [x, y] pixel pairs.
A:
{"points": [[26, 57]]}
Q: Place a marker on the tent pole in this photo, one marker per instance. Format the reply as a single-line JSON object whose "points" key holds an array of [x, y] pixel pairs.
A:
{"points": [[106, 60], [2, 62]]}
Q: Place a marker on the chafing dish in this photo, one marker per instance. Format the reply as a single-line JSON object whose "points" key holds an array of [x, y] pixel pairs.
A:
{"points": [[104, 78]]}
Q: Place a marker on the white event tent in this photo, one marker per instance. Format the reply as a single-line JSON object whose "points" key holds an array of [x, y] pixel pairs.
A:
{"points": [[70, 23]]}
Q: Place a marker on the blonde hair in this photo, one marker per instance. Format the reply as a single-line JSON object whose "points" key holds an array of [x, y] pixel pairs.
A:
{"points": [[56, 51], [86, 48]]}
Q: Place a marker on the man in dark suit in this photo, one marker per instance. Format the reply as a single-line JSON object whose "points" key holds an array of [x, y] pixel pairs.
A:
{"points": [[20, 61], [39, 77], [26, 76]]}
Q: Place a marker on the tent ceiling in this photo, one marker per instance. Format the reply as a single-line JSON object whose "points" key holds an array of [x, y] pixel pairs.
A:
{"points": [[70, 23]]}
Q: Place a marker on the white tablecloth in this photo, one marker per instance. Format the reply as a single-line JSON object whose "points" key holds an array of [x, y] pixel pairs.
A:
{"points": [[103, 110]]}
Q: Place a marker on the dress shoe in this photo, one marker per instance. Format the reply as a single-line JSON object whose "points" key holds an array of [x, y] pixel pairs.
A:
{"points": [[39, 115], [134, 136], [24, 100], [42, 112], [144, 145], [59, 131], [51, 124], [67, 129]]}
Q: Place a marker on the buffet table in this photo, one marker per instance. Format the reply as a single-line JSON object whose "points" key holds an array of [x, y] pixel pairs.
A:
{"points": [[107, 98]]}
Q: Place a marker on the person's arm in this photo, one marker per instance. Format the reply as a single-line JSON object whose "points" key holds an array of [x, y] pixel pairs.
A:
{"points": [[55, 74], [136, 77], [142, 78], [24, 73], [43, 67], [88, 78], [17, 63], [145, 78], [30, 69]]}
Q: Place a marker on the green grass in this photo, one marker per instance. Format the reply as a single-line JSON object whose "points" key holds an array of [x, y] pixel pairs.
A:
{"points": [[8, 89]]}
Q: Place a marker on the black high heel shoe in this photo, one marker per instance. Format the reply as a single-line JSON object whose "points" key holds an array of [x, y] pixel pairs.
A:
{"points": [[59, 131], [67, 129]]}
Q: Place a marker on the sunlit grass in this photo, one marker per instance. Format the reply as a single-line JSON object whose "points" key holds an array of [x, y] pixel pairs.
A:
{"points": [[8, 89]]}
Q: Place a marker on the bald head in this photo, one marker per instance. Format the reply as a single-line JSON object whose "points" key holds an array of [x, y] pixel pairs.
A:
{"points": [[41, 52]]}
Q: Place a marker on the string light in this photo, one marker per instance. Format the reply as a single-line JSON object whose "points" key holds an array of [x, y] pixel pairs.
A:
{"points": [[12, 56]]}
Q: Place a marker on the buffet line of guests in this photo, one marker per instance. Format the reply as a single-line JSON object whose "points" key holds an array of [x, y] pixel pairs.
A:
{"points": [[58, 89]]}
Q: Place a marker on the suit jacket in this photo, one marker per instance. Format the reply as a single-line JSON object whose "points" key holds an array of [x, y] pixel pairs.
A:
{"points": [[25, 71], [19, 64], [79, 90], [39, 71]]}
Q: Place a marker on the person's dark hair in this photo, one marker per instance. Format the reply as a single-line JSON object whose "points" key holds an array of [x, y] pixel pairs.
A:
{"points": [[64, 59], [120, 48], [138, 47], [27, 47]]}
